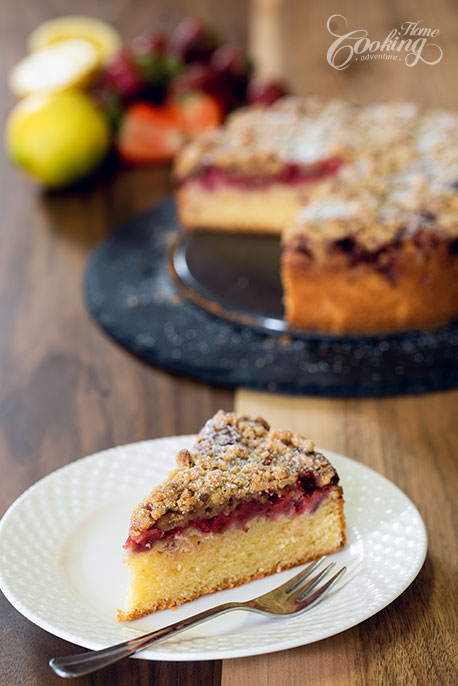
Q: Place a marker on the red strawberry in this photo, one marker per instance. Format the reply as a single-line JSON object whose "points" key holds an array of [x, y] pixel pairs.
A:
{"points": [[194, 41], [149, 133], [122, 76], [154, 63], [233, 67], [196, 77], [198, 112], [202, 77], [150, 43], [266, 92]]}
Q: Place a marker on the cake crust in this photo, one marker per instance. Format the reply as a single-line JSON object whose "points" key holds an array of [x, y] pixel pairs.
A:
{"points": [[416, 291]]}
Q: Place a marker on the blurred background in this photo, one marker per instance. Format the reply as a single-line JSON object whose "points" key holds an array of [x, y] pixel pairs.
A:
{"points": [[54, 363], [286, 37], [281, 42]]}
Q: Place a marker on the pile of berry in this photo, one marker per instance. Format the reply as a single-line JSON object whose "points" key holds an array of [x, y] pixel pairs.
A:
{"points": [[159, 92]]}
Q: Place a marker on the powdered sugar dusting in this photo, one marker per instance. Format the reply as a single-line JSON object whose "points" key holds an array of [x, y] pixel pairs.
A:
{"points": [[234, 459]]}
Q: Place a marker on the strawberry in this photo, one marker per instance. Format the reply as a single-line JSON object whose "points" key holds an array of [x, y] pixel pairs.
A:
{"points": [[194, 41], [122, 76], [156, 43], [155, 65], [196, 77], [149, 133], [198, 112], [203, 77], [266, 92], [233, 68]]}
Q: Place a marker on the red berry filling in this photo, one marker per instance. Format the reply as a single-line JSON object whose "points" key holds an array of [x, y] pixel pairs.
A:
{"points": [[211, 177], [298, 500]]}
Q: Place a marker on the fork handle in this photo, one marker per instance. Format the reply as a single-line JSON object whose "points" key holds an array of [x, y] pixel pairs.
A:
{"points": [[86, 663]]}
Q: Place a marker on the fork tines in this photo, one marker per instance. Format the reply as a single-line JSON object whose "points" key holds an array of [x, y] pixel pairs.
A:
{"points": [[301, 588]]}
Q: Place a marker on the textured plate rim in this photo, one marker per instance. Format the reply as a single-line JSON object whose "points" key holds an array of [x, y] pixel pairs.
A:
{"points": [[158, 653]]}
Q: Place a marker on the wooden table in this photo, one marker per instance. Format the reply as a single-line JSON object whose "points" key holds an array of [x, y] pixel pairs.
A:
{"points": [[67, 391]]}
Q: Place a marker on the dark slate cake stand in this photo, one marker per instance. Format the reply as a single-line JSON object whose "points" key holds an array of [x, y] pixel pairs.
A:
{"points": [[209, 307]]}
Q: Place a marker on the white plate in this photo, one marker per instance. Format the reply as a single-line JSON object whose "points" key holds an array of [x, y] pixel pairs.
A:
{"points": [[61, 559]]}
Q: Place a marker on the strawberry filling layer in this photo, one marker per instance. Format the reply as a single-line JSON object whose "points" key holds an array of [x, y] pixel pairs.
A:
{"points": [[298, 500], [293, 174]]}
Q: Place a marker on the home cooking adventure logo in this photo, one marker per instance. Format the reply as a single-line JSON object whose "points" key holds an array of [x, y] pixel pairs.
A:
{"points": [[411, 43]]}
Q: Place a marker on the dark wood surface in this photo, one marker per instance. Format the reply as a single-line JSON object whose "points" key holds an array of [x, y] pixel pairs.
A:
{"points": [[67, 391], [412, 441]]}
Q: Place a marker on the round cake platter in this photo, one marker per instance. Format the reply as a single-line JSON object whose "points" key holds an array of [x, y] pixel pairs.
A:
{"points": [[209, 306], [236, 277]]}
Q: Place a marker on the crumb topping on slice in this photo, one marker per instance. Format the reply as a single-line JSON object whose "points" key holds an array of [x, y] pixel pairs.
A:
{"points": [[234, 459]]}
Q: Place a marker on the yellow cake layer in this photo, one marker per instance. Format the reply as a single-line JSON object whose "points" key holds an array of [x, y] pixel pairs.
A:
{"points": [[230, 208], [173, 572]]}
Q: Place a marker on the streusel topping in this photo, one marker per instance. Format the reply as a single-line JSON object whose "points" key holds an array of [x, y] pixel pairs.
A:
{"points": [[399, 171], [234, 459], [378, 201], [257, 140]]}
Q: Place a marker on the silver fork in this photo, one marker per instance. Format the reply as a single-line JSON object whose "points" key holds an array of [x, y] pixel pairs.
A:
{"points": [[291, 598]]}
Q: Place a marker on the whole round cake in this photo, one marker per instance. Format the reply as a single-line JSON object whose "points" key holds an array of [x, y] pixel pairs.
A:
{"points": [[365, 197]]}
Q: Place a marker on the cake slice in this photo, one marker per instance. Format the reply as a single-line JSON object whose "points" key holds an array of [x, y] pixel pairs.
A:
{"points": [[244, 502]]}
